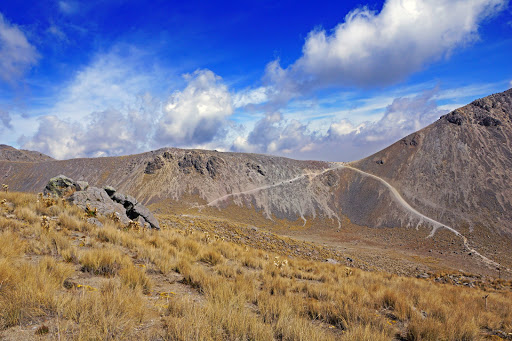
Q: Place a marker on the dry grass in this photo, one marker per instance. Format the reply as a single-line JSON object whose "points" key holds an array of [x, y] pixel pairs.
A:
{"points": [[110, 283]]}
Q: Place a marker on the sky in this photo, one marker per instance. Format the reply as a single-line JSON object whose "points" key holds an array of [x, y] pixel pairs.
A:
{"points": [[322, 80]]}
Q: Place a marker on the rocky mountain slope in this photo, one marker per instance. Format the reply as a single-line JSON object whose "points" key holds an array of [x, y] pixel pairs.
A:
{"points": [[9, 153], [458, 169], [454, 173]]}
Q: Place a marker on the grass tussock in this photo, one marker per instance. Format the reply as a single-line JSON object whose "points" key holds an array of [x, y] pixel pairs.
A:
{"points": [[89, 283]]}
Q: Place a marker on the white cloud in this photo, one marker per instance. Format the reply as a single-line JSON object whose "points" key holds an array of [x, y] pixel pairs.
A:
{"points": [[106, 133], [197, 114], [402, 117], [17, 55], [276, 135], [343, 141], [250, 96], [107, 110], [114, 80], [342, 127], [372, 49]]}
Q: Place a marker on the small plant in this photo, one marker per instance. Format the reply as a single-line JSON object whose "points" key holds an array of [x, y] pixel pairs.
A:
{"points": [[90, 212], [49, 201], [45, 223], [114, 216], [134, 226]]}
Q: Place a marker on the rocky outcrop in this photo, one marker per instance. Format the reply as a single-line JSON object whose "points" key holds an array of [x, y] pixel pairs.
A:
{"points": [[98, 199], [62, 186], [154, 165], [134, 210], [105, 201], [256, 168]]}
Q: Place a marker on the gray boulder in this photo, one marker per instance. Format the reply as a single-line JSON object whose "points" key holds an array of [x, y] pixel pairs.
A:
{"points": [[140, 210], [110, 190], [97, 198], [61, 186]]}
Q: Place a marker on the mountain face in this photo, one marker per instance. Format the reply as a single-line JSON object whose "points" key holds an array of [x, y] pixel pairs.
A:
{"points": [[9, 153], [458, 169], [454, 174]]}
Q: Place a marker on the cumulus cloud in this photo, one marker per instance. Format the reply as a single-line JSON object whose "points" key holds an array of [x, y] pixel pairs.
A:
{"points": [[402, 117], [108, 111], [17, 55], [343, 141], [197, 114], [374, 49], [276, 135], [106, 133]]}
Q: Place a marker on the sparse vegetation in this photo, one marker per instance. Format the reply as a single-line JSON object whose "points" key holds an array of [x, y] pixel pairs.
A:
{"points": [[75, 280]]}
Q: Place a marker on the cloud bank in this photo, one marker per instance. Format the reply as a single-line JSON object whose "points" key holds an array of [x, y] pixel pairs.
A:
{"points": [[343, 141], [110, 106]]}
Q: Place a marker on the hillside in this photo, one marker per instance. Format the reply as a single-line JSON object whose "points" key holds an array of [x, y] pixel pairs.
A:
{"points": [[9, 153], [458, 169], [63, 278], [441, 195]]}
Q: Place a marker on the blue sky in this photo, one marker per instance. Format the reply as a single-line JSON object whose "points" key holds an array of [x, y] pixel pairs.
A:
{"points": [[310, 80]]}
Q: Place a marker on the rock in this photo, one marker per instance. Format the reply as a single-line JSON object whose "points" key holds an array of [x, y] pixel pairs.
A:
{"points": [[212, 165], [488, 121], [141, 220], [110, 190], [167, 156], [153, 166], [141, 210], [127, 201], [98, 198], [331, 261], [82, 185], [61, 186], [454, 117], [256, 168], [191, 160]]}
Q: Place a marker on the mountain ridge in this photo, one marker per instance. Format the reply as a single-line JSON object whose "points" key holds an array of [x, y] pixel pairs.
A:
{"points": [[454, 172]]}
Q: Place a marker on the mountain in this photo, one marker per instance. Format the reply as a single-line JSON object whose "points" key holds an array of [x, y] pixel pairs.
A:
{"points": [[9, 153], [457, 169], [442, 192]]}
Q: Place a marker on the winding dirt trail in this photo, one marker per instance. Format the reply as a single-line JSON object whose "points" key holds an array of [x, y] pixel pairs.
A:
{"points": [[262, 188], [436, 224], [396, 195]]}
